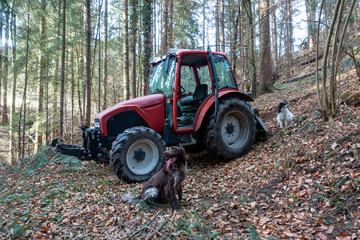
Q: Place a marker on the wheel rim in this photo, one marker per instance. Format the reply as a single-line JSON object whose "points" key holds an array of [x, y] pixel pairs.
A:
{"points": [[142, 157], [234, 130]]}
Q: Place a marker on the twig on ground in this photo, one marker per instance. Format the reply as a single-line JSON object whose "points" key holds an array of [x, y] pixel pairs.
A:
{"points": [[156, 231], [144, 227], [150, 236]]}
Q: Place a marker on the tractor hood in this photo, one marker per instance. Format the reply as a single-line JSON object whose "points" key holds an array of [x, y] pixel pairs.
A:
{"points": [[148, 108]]}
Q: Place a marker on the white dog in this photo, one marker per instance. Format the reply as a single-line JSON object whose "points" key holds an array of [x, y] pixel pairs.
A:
{"points": [[284, 115]]}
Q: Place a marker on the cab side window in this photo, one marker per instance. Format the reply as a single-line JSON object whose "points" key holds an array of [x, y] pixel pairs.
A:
{"points": [[204, 76], [188, 81]]}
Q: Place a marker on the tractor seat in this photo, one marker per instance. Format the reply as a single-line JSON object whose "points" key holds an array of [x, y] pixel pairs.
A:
{"points": [[190, 103]]}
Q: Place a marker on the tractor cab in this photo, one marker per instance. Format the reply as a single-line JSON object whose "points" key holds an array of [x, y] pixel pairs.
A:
{"points": [[186, 79]]}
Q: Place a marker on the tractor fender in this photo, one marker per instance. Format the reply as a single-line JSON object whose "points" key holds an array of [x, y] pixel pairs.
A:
{"points": [[210, 101]]}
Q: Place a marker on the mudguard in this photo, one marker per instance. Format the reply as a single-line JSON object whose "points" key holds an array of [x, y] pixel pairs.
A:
{"points": [[210, 101]]}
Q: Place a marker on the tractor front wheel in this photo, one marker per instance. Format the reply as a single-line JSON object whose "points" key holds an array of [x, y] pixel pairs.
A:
{"points": [[234, 131], [137, 154]]}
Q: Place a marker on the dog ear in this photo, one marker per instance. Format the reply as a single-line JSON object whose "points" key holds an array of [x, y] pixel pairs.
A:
{"points": [[183, 153]]}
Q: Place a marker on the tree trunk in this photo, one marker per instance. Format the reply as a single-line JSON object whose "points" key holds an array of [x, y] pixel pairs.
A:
{"points": [[204, 24], [222, 22], [265, 74], [55, 123], [72, 95], [5, 119], [217, 26], [274, 37], [134, 22], [311, 27], [140, 59], [99, 54], [326, 111], [62, 85], [39, 135], [126, 51], [248, 9], [1, 55], [12, 159], [147, 19], [170, 25], [22, 145], [335, 47], [164, 38], [233, 48], [88, 63], [105, 56], [289, 42]]}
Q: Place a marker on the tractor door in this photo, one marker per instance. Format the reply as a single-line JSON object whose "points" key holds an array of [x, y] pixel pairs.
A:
{"points": [[194, 86]]}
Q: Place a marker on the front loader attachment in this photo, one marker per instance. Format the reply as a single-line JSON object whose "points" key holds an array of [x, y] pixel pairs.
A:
{"points": [[71, 150], [92, 149], [68, 149]]}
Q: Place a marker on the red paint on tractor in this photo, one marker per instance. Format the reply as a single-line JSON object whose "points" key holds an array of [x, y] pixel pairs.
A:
{"points": [[210, 100], [150, 108]]}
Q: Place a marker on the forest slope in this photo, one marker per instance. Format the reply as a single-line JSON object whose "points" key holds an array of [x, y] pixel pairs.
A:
{"points": [[302, 182]]}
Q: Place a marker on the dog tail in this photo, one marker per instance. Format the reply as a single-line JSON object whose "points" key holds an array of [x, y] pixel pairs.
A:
{"points": [[128, 197]]}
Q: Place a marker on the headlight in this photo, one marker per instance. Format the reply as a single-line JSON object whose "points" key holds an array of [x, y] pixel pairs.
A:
{"points": [[97, 123]]}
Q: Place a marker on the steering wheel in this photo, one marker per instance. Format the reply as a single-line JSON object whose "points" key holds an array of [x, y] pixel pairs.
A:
{"points": [[158, 90], [182, 89]]}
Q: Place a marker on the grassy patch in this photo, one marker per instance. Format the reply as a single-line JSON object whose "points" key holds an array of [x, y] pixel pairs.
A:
{"points": [[193, 227]]}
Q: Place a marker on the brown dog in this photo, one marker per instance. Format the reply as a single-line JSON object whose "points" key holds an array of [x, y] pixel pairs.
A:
{"points": [[163, 186]]}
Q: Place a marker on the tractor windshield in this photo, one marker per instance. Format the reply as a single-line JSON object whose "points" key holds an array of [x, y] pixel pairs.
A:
{"points": [[162, 76]]}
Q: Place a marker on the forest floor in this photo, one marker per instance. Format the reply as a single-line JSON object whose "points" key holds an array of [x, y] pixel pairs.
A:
{"points": [[303, 182]]}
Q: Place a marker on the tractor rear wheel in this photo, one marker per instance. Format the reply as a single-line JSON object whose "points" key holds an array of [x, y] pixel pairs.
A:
{"points": [[137, 154], [234, 131]]}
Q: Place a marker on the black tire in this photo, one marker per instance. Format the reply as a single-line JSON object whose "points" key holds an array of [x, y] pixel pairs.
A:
{"points": [[233, 133], [138, 142]]}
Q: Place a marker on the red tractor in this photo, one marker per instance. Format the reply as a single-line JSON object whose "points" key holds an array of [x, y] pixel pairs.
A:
{"points": [[191, 98]]}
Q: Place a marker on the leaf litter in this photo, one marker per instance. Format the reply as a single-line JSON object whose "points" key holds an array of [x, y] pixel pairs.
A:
{"points": [[302, 182]]}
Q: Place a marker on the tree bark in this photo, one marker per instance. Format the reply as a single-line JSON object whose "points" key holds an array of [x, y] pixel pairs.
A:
{"points": [[222, 22], [274, 37], [62, 84], [265, 74], [22, 143], [72, 95], [12, 154], [39, 135], [164, 38], [134, 22], [147, 19], [126, 51], [170, 25], [55, 123], [251, 43], [234, 43], [217, 26], [105, 56], [311, 27], [99, 59], [1, 55], [88, 63], [5, 119], [325, 101], [289, 42]]}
